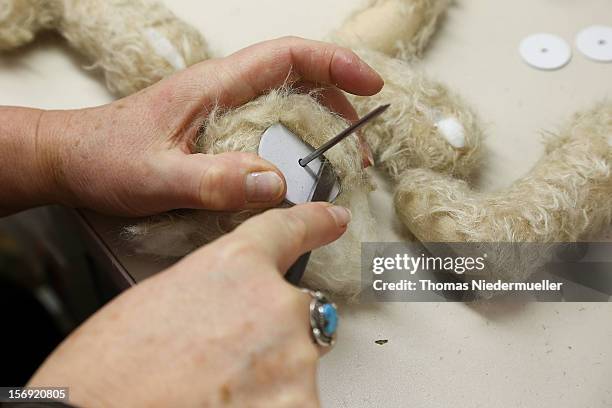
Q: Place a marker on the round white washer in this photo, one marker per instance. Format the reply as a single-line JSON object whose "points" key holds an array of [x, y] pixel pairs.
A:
{"points": [[545, 51], [596, 42]]}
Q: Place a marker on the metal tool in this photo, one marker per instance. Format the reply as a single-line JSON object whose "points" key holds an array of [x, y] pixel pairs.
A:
{"points": [[339, 137], [309, 175]]}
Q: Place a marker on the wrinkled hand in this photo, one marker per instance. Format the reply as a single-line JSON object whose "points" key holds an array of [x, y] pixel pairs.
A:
{"points": [[220, 328], [134, 156]]}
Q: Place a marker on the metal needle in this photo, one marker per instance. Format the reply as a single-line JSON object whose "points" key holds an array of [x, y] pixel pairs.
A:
{"points": [[338, 138]]}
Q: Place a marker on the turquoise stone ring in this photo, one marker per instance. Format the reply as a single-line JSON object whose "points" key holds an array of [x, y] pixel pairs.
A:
{"points": [[323, 318]]}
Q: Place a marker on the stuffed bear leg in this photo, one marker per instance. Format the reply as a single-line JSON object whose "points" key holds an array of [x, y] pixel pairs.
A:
{"points": [[20, 20], [426, 126], [397, 28], [135, 43], [566, 197]]}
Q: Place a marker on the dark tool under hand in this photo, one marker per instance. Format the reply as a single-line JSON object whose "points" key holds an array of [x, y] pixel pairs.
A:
{"points": [[326, 179], [309, 175]]}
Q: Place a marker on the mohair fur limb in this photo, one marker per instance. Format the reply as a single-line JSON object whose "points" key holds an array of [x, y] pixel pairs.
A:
{"points": [[20, 20], [566, 197], [397, 28], [414, 131], [335, 267], [135, 43]]}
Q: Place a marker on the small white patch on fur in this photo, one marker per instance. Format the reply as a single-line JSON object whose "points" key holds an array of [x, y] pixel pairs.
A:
{"points": [[164, 48], [453, 132]]}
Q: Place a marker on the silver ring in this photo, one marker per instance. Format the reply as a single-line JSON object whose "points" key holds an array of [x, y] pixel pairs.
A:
{"points": [[323, 318]]}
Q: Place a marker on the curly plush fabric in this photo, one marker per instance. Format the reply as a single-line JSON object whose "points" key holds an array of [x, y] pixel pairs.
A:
{"points": [[426, 126], [135, 43], [335, 266], [20, 20], [566, 197], [397, 28]]}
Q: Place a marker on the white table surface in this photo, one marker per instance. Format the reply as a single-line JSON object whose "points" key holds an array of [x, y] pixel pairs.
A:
{"points": [[438, 354]]}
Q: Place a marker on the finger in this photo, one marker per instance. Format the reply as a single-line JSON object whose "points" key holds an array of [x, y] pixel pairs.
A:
{"points": [[293, 231], [367, 156], [226, 181], [252, 71]]}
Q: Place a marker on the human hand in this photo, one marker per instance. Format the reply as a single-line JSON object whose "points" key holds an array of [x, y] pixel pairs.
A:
{"points": [[220, 328], [134, 156]]}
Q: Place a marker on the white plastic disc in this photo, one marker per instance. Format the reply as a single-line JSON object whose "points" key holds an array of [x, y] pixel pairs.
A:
{"points": [[545, 51], [596, 43]]}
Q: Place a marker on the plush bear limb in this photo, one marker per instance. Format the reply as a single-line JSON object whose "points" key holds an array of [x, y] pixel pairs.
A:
{"points": [[20, 20], [566, 197], [426, 126], [152, 44], [397, 28], [135, 43]]}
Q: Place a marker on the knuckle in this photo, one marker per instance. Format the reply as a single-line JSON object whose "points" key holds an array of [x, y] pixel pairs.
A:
{"points": [[308, 354], [234, 249], [349, 52], [303, 400], [291, 302], [241, 156], [292, 226], [296, 228], [213, 187]]}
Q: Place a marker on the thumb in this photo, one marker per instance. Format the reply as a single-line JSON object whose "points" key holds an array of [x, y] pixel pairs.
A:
{"points": [[227, 181], [290, 232]]}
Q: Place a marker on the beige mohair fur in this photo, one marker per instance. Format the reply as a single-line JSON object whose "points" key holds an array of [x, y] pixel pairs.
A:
{"points": [[407, 135], [335, 266], [566, 197], [397, 28], [135, 43], [20, 20]]}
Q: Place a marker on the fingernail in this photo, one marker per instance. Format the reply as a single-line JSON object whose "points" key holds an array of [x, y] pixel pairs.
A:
{"points": [[341, 215], [263, 186], [368, 157]]}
